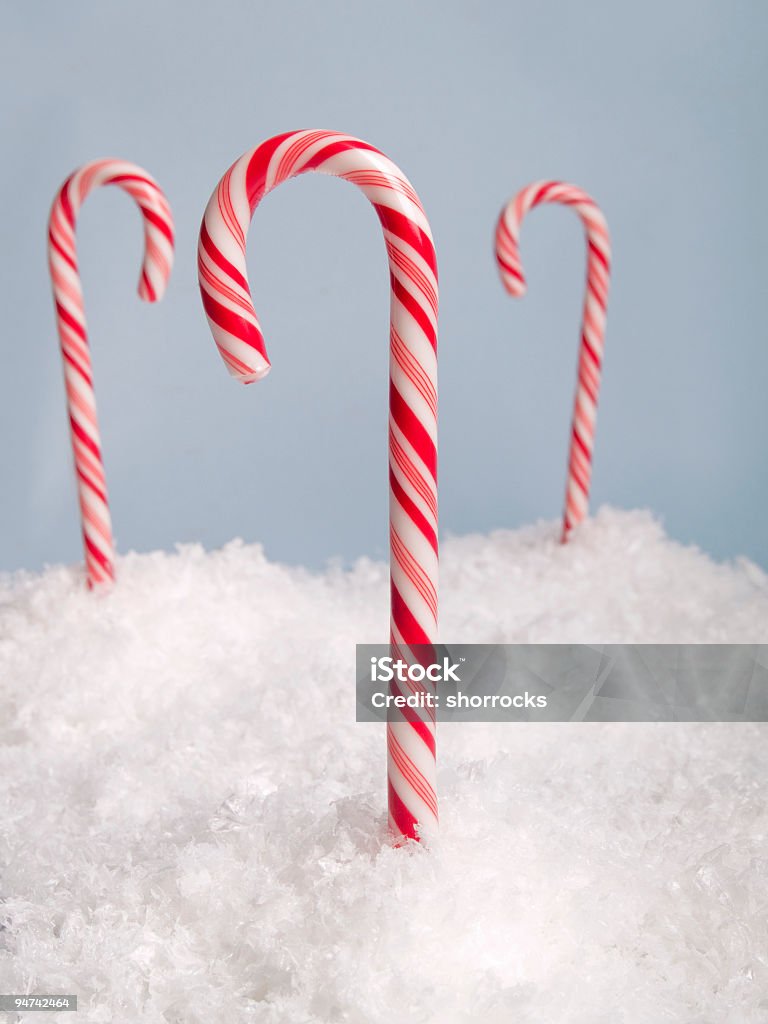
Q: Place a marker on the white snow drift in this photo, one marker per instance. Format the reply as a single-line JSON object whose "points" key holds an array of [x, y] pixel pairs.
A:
{"points": [[193, 826]]}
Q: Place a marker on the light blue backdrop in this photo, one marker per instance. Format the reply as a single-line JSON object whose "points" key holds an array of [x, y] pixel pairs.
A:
{"points": [[657, 109]]}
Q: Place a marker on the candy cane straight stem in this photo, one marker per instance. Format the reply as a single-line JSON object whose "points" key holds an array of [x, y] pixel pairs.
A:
{"points": [[412, 397], [70, 319], [592, 328]]}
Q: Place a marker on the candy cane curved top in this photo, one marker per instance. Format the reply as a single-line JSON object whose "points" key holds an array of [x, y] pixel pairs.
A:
{"points": [[413, 388], [593, 321], [70, 318]]}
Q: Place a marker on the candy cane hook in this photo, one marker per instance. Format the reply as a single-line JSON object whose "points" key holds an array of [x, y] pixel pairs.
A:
{"points": [[593, 322], [413, 390], [70, 320]]}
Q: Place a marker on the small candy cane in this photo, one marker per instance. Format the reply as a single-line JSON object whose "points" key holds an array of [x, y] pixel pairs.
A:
{"points": [[70, 320], [593, 322]]}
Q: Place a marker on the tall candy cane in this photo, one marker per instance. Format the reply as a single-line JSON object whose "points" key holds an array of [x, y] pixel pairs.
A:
{"points": [[70, 319], [593, 322], [413, 392]]}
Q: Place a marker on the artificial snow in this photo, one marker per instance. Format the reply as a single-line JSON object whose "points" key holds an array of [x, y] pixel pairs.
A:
{"points": [[193, 826]]}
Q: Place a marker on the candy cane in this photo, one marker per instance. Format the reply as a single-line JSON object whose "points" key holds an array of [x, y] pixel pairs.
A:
{"points": [[70, 320], [593, 322], [413, 392]]}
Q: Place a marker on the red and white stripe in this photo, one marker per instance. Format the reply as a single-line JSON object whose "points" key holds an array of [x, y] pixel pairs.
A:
{"points": [[593, 321], [70, 319], [413, 392]]}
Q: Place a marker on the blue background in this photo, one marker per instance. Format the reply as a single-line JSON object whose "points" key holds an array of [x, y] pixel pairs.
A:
{"points": [[656, 109]]}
